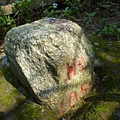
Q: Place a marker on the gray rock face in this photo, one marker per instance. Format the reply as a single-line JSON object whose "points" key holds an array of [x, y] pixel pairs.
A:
{"points": [[53, 59]]}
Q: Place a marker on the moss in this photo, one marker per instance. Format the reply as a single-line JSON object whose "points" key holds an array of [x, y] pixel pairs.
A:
{"points": [[7, 93], [110, 58], [32, 111], [98, 111], [101, 108], [7, 98], [1, 73], [12, 79]]}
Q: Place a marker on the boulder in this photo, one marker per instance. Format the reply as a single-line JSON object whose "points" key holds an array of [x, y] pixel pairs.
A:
{"points": [[53, 60]]}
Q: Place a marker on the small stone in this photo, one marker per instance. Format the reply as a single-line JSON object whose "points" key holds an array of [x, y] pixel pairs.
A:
{"points": [[96, 44], [104, 78], [109, 44]]}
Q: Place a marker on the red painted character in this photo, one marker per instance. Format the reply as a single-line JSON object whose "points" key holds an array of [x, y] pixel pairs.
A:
{"points": [[72, 98], [61, 108], [70, 70], [84, 88]]}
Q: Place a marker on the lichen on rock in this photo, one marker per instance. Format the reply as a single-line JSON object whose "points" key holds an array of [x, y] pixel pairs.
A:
{"points": [[53, 60]]}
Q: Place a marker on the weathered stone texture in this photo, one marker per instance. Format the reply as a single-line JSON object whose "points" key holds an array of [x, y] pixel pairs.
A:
{"points": [[53, 60]]}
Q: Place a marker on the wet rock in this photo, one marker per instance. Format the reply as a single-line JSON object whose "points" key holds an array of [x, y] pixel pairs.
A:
{"points": [[54, 61]]}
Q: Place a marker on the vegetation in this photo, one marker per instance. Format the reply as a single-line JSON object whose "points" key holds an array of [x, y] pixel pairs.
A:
{"points": [[101, 18]]}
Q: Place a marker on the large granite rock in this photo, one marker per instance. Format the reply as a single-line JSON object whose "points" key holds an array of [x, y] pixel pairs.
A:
{"points": [[53, 60]]}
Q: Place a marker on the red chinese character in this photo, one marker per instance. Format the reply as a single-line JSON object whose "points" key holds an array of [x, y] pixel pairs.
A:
{"points": [[70, 70], [72, 97], [81, 64]]}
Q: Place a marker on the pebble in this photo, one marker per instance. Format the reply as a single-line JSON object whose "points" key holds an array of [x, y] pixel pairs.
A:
{"points": [[1, 48], [96, 44], [109, 44]]}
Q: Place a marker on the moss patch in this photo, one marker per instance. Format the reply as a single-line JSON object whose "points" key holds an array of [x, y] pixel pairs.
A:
{"points": [[7, 93], [32, 111]]}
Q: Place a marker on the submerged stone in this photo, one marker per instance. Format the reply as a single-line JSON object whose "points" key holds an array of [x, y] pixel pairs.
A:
{"points": [[53, 60]]}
